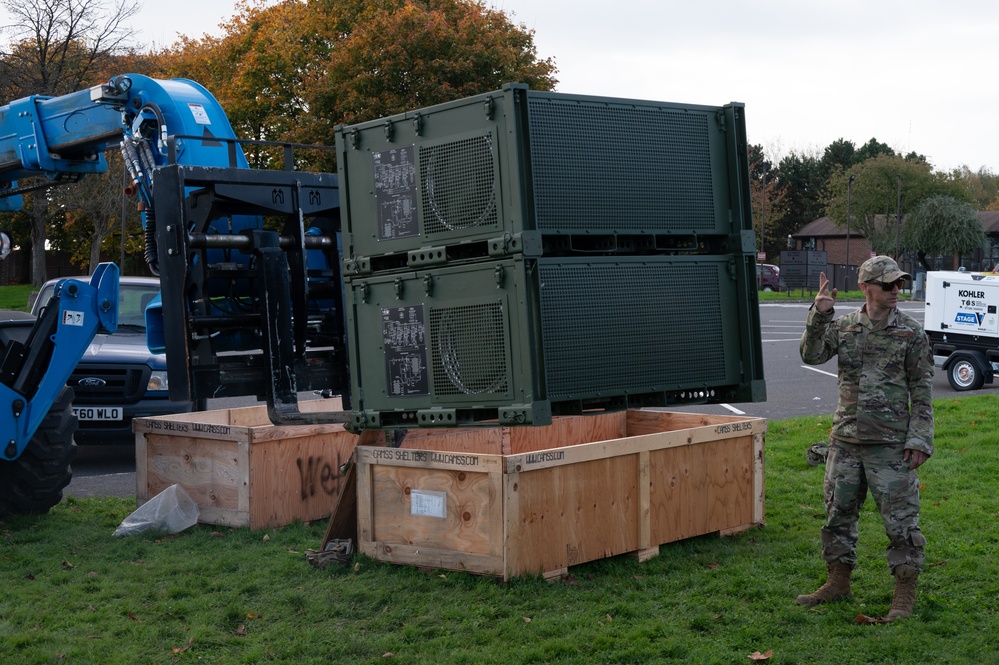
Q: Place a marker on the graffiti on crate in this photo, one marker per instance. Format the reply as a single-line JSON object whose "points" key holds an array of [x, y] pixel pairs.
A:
{"points": [[319, 474]]}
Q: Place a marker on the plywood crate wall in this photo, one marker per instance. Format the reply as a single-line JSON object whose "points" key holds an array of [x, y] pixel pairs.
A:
{"points": [[643, 478], [240, 469]]}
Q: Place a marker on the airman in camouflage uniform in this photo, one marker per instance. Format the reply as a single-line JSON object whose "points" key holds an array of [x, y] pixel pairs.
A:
{"points": [[882, 429]]}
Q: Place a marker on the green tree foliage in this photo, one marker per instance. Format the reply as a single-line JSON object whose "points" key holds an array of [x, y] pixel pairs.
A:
{"points": [[767, 202], [869, 150], [943, 225], [800, 181], [804, 178], [294, 70], [884, 185]]}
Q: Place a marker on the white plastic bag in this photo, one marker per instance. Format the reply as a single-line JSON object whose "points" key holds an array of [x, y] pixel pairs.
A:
{"points": [[170, 511]]}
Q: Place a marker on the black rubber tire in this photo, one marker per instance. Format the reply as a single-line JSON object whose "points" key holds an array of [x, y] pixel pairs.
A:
{"points": [[33, 483], [964, 374]]}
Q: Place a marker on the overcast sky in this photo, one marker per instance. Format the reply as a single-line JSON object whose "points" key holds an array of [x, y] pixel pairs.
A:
{"points": [[915, 74]]}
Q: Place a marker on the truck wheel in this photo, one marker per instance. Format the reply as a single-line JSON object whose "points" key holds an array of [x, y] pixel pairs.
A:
{"points": [[33, 483], [964, 374]]}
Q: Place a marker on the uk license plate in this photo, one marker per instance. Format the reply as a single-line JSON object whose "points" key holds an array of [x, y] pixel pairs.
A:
{"points": [[98, 412]]}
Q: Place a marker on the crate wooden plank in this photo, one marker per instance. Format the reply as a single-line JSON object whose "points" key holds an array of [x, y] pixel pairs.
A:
{"points": [[428, 557], [343, 516], [487, 440], [565, 431], [642, 480], [568, 431], [208, 472], [252, 474], [442, 509], [718, 473], [651, 422], [575, 513]]}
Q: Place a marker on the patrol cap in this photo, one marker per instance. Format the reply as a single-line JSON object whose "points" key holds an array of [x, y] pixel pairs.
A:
{"points": [[881, 269]]}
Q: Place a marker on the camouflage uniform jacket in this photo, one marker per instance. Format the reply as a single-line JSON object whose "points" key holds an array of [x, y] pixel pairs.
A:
{"points": [[885, 376]]}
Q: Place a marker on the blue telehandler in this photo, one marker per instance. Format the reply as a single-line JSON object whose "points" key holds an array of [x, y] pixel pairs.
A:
{"points": [[247, 258]]}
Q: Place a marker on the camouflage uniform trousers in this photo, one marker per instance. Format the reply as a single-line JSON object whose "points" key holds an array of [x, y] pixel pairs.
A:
{"points": [[852, 469]]}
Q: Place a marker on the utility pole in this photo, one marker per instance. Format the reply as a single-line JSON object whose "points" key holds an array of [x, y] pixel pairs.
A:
{"points": [[898, 214], [763, 222], [849, 191]]}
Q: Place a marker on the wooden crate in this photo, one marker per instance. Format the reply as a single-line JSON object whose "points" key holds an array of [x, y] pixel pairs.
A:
{"points": [[240, 469], [661, 477]]}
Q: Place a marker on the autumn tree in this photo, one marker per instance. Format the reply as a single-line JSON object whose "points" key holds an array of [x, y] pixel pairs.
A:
{"points": [[56, 47], [982, 186], [405, 54], [294, 70], [943, 225], [93, 215]]}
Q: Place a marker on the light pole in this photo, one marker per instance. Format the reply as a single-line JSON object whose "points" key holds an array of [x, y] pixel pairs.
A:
{"points": [[849, 191], [763, 223], [898, 213]]}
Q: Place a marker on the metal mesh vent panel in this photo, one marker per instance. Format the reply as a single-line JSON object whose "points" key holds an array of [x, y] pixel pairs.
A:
{"points": [[468, 350], [459, 185], [621, 327], [620, 168]]}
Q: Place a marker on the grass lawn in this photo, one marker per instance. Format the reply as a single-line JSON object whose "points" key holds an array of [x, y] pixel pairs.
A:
{"points": [[73, 593], [808, 295], [16, 297]]}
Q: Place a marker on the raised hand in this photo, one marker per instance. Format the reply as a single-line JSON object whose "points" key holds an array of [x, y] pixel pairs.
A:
{"points": [[824, 300]]}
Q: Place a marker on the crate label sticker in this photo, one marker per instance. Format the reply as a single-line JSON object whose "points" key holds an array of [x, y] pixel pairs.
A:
{"points": [[404, 338], [428, 503], [395, 193], [72, 318]]}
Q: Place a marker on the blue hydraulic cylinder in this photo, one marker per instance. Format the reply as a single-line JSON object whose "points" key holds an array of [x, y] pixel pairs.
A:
{"points": [[84, 309]]}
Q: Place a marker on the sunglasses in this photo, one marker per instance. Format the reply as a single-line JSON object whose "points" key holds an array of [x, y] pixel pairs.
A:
{"points": [[888, 286]]}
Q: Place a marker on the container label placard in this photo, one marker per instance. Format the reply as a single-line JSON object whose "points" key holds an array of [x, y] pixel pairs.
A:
{"points": [[200, 114], [73, 318], [395, 193], [404, 338], [428, 503]]}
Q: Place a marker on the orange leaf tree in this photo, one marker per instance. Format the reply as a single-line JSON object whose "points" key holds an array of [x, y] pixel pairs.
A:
{"points": [[294, 70]]}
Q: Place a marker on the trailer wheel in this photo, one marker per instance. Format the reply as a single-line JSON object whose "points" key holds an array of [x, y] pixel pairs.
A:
{"points": [[964, 374], [33, 483]]}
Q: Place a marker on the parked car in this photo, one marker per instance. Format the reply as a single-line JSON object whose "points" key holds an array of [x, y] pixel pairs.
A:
{"points": [[767, 277], [118, 379]]}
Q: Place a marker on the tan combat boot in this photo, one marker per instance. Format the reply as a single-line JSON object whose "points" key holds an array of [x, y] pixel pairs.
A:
{"points": [[837, 586], [905, 592]]}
